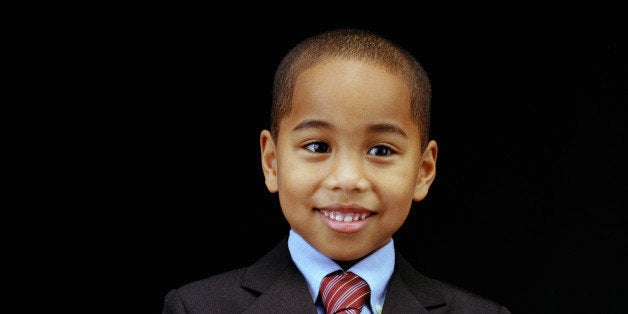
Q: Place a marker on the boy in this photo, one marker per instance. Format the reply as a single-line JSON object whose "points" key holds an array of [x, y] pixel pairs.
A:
{"points": [[348, 151]]}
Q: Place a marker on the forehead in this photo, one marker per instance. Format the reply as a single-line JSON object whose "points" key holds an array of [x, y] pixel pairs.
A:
{"points": [[348, 71], [348, 91]]}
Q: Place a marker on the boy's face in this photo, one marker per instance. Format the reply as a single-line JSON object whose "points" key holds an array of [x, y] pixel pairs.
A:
{"points": [[347, 163]]}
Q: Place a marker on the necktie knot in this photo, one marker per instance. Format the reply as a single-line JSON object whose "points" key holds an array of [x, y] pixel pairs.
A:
{"points": [[344, 292]]}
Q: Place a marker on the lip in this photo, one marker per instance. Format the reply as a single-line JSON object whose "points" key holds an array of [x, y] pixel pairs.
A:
{"points": [[345, 218]]}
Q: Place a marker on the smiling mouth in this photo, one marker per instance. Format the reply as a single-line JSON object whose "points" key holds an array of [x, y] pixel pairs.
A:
{"points": [[344, 217]]}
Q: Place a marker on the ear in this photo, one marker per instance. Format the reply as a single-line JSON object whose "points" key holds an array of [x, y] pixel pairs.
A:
{"points": [[427, 171], [269, 160]]}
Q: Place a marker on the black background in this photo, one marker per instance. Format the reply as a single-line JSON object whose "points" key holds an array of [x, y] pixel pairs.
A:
{"points": [[528, 207]]}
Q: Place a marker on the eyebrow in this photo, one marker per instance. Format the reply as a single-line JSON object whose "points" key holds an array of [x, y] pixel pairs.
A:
{"points": [[387, 128], [313, 124], [374, 128]]}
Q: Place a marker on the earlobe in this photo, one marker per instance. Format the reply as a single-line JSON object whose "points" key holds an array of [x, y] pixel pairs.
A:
{"points": [[269, 160], [427, 171]]}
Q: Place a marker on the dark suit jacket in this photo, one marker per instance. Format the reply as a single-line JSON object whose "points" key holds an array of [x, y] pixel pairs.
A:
{"points": [[274, 285]]}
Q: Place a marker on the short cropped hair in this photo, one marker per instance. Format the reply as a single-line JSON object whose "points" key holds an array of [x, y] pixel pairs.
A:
{"points": [[355, 44]]}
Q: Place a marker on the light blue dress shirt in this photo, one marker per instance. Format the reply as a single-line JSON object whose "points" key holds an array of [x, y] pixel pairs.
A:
{"points": [[376, 269]]}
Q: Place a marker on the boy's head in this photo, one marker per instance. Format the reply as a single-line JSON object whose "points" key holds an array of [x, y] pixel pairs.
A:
{"points": [[356, 44], [349, 150]]}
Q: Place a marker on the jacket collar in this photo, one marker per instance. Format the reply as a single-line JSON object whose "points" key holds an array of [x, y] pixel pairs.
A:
{"points": [[409, 290], [280, 286]]}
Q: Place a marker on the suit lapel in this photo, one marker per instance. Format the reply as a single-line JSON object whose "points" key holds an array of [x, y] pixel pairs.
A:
{"points": [[400, 300], [287, 294], [279, 284], [281, 287], [411, 292]]}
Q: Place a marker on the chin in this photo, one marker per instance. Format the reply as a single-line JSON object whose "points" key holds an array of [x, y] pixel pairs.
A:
{"points": [[342, 255]]}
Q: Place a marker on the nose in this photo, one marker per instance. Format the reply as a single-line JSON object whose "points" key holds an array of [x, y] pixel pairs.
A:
{"points": [[347, 173]]}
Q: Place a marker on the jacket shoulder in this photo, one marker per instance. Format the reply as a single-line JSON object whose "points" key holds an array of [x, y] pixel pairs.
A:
{"points": [[241, 289], [460, 300], [222, 293], [436, 296]]}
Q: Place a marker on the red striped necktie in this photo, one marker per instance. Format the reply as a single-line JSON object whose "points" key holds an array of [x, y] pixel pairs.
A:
{"points": [[344, 293]]}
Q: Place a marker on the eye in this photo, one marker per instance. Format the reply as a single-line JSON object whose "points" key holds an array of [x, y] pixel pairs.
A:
{"points": [[381, 150], [318, 147]]}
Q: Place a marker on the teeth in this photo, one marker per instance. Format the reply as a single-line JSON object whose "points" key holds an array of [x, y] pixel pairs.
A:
{"points": [[338, 216]]}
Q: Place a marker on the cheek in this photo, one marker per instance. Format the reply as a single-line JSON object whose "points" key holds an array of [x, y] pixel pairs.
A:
{"points": [[396, 193], [296, 183], [397, 184], [396, 200], [294, 176]]}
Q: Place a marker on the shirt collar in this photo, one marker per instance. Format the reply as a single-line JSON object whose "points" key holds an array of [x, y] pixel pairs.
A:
{"points": [[376, 269]]}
